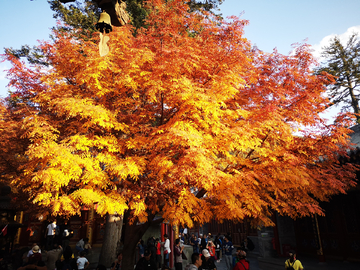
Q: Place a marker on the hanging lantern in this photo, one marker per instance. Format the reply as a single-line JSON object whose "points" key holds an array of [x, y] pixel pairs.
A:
{"points": [[104, 23]]}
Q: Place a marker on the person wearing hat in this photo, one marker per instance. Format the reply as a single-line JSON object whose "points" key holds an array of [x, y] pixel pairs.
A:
{"points": [[34, 261], [35, 249], [34, 255], [292, 262], [208, 262], [210, 238], [242, 263], [145, 263]]}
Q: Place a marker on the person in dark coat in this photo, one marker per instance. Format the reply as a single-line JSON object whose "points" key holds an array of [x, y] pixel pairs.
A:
{"points": [[151, 246], [145, 263], [202, 243], [208, 263]]}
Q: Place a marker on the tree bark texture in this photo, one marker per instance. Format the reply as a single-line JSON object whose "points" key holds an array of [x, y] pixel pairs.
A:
{"points": [[112, 237]]}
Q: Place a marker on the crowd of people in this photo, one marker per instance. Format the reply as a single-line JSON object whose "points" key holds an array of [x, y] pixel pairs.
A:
{"points": [[56, 253], [207, 251]]}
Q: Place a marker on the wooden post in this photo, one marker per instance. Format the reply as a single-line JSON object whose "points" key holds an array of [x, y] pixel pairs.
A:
{"points": [[18, 218], [176, 231], [89, 227], [320, 251], [172, 242], [162, 232]]}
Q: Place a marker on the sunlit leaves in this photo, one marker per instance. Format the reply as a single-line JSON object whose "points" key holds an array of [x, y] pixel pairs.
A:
{"points": [[189, 125]]}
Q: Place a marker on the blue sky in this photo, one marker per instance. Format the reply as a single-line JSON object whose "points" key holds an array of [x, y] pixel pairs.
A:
{"points": [[272, 23]]}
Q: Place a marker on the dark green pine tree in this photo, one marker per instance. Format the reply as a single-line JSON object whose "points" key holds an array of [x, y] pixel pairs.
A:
{"points": [[74, 15], [80, 15], [83, 15], [343, 62]]}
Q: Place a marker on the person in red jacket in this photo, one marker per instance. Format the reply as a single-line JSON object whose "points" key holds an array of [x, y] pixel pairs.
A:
{"points": [[242, 264], [158, 252]]}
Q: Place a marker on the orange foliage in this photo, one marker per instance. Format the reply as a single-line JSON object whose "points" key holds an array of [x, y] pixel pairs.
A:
{"points": [[186, 119]]}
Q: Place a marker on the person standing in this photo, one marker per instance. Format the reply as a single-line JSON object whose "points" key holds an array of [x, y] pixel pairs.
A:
{"points": [[209, 238], [195, 243], [186, 236], [52, 256], [167, 250], [178, 250], [202, 242], [141, 248], [218, 247], [228, 248], [152, 248], [50, 235], [158, 253], [67, 258], [293, 262], [66, 234]]}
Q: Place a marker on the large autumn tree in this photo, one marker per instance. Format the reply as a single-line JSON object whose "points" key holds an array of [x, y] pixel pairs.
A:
{"points": [[185, 120]]}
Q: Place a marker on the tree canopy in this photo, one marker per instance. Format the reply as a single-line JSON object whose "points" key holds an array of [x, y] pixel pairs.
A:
{"points": [[82, 13], [185, 119], [343, 62]]}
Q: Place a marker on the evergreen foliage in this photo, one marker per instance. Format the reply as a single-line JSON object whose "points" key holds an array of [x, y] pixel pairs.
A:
{"points": [[80, 16], [343, 62]]}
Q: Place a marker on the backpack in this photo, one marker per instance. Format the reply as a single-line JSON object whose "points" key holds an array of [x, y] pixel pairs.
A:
{"points": [[57, 230], [290, 267], [245, 267], [66, 233]]}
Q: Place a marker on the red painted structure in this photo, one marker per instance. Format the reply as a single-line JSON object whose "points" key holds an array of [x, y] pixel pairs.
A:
{"points": [[239, 231]]}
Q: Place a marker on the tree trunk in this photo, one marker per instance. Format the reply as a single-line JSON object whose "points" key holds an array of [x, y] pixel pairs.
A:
{"points": [[112, 237], [132, 234], [354, 100]]}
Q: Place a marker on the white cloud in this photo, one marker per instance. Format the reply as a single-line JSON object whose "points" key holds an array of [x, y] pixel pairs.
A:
{"points": [[344, 37], [331, 113]]}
